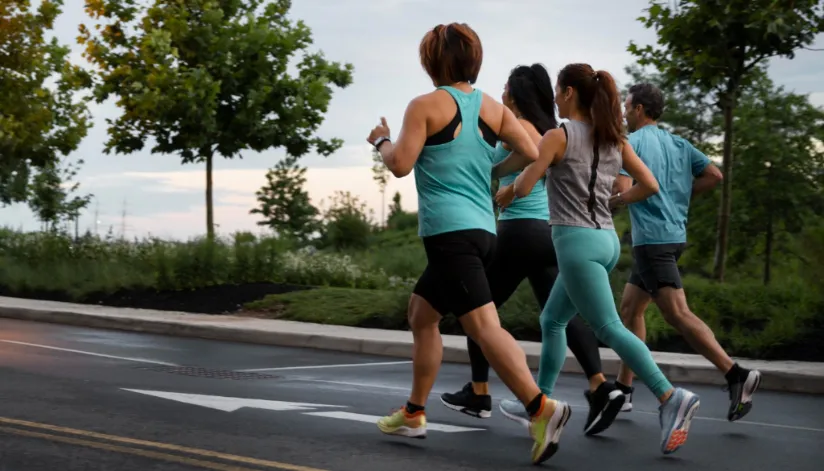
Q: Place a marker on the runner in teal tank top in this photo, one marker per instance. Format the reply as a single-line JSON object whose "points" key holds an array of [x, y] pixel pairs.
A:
{"points": [[533, 206], [453, 178], [448, 139]]}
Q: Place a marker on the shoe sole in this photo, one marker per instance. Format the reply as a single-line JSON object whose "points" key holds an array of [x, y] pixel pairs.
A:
{"points": [[521, 420], [607, 414], [408, 432], [744, 405], [555, 437], [478, 414], [677, 436]]}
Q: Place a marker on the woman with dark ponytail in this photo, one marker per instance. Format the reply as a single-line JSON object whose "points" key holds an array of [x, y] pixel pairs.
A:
{"points": [[525, 251], [584, 157]]}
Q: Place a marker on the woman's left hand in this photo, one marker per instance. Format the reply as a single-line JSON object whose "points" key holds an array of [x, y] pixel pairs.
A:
{"points": [[381, 130], [505, 196]]}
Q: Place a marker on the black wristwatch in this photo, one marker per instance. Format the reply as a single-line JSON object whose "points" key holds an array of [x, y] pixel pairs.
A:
{"points": [[380, 141]]}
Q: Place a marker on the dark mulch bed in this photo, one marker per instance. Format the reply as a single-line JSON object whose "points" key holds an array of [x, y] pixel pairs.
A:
{"points": [[218, 299]]}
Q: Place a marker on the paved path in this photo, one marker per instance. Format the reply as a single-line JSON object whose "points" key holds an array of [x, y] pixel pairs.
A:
{"points": [[74, 398]]}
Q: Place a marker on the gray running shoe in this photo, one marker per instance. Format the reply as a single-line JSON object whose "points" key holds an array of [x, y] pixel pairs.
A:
{"points": [[675, 417]]}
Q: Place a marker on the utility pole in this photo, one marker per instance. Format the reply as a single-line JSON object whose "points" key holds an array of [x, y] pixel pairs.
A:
{"points": [[123, 220], [96, 217]]}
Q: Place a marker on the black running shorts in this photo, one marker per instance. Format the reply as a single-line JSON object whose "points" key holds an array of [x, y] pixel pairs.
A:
{"points": [[454, 281], [656, 267]]}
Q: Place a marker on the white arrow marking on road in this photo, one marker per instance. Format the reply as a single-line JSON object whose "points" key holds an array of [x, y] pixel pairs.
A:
{"points": [[374, 418], [230, 404]]}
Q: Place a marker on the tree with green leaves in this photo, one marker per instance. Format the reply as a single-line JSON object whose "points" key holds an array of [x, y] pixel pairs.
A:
{"points": [[716, 46], [52, 195], [42, 117], [381, 176], [208, 78], [780, 134], [284, 202], [348, 222]]}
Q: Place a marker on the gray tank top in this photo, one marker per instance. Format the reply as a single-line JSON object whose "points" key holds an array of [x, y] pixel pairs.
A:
{"points": [[580, 185]]}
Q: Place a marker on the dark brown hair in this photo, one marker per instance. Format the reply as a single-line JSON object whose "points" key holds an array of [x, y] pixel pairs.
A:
{"points": [[598, 94], [452, 53], [650, 97]]}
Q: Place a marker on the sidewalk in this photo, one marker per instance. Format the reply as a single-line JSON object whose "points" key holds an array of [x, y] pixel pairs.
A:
{"points": [[790, 376]]}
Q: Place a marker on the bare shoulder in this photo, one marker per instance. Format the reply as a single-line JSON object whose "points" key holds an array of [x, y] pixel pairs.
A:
{"points": [[492, 112], [555, 135]]}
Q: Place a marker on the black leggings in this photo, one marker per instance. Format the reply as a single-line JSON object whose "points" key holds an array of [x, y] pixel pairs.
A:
{"points": [[525, 250]]}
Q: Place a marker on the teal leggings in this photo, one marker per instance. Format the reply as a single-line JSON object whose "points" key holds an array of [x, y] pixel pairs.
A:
{"points": [[585, 258]]}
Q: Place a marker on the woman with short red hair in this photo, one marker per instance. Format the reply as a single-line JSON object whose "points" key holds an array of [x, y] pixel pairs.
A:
{"points": [[448, 138]]}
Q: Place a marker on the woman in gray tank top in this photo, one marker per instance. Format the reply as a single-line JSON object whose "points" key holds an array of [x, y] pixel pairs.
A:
{"points": [[583, 157]]}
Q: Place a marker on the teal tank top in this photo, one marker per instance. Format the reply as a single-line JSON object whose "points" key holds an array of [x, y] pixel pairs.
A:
{"points": [[535, 205], [454, 179]]}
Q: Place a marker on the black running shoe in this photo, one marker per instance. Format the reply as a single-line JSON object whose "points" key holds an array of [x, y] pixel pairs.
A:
{"points": [[604, 405], [741, 391], [468, 402]]}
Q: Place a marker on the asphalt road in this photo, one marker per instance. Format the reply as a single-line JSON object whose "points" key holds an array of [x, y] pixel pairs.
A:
{"points": [[83, 399]]}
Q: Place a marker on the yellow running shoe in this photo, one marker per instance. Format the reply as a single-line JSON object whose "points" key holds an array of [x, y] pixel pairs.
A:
{"points": [[546, 429], [404, 424]]}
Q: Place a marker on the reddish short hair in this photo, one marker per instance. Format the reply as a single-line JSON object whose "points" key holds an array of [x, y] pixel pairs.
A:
{"points": [[452, 53]]}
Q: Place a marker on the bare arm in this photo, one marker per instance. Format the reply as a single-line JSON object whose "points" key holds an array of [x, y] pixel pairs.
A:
{"points": [[646, 185], [550, 148], [622, 184], [524, 149], [709, 179], [400, 156]]}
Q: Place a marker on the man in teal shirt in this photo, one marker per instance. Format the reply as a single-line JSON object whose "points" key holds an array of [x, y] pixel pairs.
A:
{"points": [[659, 236]]}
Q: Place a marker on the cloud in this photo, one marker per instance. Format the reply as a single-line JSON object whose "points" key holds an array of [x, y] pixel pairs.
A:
{"points": [[236, 189]]}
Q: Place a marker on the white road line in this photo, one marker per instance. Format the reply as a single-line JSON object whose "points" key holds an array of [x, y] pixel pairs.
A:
{"points": [[374, 418], [138, 360], [316, 367], [742, 422], [364, 385]]}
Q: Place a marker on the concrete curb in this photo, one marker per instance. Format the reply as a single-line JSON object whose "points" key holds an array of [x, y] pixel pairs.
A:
{"points": [[788, 376]]}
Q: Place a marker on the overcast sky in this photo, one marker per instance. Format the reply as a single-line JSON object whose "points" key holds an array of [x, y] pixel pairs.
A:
{"points": [[380, 38]]}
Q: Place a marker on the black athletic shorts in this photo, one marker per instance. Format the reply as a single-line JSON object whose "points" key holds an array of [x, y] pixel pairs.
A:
{"points": [[454, 281], [656, 267]]}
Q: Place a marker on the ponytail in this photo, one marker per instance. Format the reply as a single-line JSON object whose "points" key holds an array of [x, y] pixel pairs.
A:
{"points": [[605, 110], [597, 93]]}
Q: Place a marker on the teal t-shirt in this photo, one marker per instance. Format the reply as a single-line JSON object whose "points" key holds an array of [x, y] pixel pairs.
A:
{"points": [[535, 205], [453, 179], [662, 218]]}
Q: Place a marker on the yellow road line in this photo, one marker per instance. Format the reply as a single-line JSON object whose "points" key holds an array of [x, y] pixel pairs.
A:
{"points": [[162, 446], [122, 449]]}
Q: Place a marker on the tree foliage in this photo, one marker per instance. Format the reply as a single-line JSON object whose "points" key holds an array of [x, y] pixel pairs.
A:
{"points": [[41, 116], [206, 78], [780, 137], [284, 202], [52, 195], [716, 46]]}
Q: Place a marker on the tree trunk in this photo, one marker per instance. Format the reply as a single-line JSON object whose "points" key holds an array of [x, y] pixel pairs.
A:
{"points": [[726, 193], [210, 218]]}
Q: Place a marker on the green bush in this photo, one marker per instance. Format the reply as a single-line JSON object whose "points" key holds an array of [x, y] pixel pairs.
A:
{"points": [[746, 324], [53, 262]]}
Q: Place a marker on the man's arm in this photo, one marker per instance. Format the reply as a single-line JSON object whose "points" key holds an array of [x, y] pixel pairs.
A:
{"points": [[707, 175], [709, 178]]}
